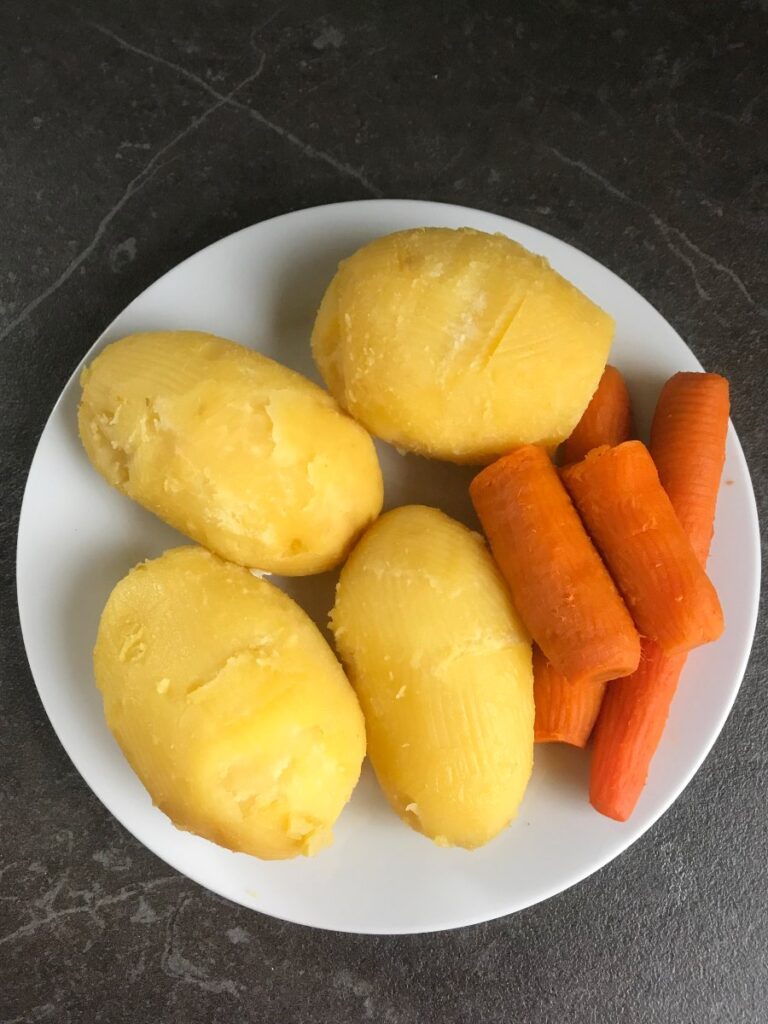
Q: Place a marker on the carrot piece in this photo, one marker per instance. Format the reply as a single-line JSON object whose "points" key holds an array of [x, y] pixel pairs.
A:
{"points": [[688, 446], [606, 420], [628, 730], [565, 711], [558, 582], [631, 520], [688, 443]]}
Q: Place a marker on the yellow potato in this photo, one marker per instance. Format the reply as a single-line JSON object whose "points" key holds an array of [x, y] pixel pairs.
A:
{"points": [[458, 344], [228, 704], [243, 455], [442, 666]]}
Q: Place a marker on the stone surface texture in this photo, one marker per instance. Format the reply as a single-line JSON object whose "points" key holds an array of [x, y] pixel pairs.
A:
{"points": [[132, 135]]}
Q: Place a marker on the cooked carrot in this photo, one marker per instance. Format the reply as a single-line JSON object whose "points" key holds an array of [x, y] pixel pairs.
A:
{"points": [[558, 582], [606, 420], [628, 729], [688, 442], [565, 711], [688, 447], [631, 520]]}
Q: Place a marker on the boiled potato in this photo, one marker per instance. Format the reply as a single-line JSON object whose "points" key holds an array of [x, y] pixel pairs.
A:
{"points": [[442, 666], [459, 345], [243, 455], [228, 704]]}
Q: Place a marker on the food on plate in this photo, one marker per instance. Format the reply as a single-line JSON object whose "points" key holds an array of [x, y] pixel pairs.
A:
{"points": [[565, 711], [631, 520], [228, 704], [458, 344], [452, 344], [442, 666], [688, 435], [628, 731], [606, 420], [558, 582], [688, 446], [238, 452]]}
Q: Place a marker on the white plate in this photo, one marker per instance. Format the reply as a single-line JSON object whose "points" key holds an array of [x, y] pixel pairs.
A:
{"points": [[77, 537]]}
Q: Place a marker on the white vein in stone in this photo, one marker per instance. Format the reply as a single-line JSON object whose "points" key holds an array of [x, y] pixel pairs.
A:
{"points": [[305, 147], [90, 906], [666, 230], [136, 183], [178, 968]]}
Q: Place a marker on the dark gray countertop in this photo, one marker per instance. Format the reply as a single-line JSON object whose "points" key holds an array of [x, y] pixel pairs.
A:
{"points": [[639, 134]]}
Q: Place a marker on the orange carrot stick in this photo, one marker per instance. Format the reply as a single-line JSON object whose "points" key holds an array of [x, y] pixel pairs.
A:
{"points": [[558, 582], [688, 447], [628, 730], [688, 443], [631, 520], [606, 420], [565, 711]]}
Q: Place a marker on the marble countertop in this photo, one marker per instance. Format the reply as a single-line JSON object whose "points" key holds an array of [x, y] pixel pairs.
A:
{"points": [[134, 134]]}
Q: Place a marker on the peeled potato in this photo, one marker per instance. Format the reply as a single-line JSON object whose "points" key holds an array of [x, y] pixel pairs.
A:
{"points": [[442, 666], [458, 344], [228, 704], [248, 458]]}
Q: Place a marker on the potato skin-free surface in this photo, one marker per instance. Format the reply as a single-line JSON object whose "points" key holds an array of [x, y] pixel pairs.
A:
{"points": [[228, 704], [458, 344], [442, 666], [246, 457]]}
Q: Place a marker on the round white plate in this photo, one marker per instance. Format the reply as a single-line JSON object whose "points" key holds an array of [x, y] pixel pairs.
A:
{"points": [[77, 537]]}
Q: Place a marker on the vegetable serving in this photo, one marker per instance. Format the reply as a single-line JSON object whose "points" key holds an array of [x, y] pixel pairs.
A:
{"points": [[572, 623]]}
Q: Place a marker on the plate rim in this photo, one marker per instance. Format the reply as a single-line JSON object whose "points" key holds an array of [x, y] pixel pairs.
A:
{"points": [[691, 769]]}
